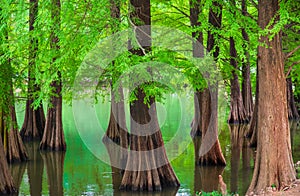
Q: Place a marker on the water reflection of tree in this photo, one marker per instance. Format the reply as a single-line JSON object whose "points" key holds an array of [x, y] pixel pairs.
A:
{"points": [[240, 147], [54, 164], [206, 178], [35, 168], [17, 171]]}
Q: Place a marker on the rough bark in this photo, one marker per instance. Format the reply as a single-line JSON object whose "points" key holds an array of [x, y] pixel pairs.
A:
{"points": [[273, 141], [55, 168], [237, 111], [246, 83], [6, 182], [34, 121], [147, 166], [292, 109], [53, 137]]}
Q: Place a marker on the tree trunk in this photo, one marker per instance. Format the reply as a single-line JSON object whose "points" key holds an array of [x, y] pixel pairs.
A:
{"points": [[34, 121], [292, 109], [13, 145], [195, 10], [16, 151], [274, 163], [246, 83], [55, 169], [237, 110], [53, 137], [147, 167], [252, 131], [117, 133], [210, 152], [6, 182]]}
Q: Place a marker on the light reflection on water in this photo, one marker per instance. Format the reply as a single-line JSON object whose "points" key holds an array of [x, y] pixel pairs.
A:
{"points": [[79, 172]]}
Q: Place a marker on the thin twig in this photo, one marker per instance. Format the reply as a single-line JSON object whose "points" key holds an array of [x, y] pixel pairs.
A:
{"points": [[288, 55], [291, 67], [137, 41], [173, 6]]}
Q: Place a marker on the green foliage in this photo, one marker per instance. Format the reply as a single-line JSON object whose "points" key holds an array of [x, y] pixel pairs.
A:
{"points": [[84, 23]]}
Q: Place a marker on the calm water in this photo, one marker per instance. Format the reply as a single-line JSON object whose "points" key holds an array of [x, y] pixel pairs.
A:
{"points": [[79, 172]]}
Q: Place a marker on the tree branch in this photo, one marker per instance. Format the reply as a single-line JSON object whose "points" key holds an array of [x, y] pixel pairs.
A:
{"points": [[291, 67], [288, 55], [176, 8]]}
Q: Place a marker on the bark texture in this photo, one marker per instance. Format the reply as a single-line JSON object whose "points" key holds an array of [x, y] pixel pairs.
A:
{"points": [[53, 137], [34, 121], [147, 166], [274, 163]]}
